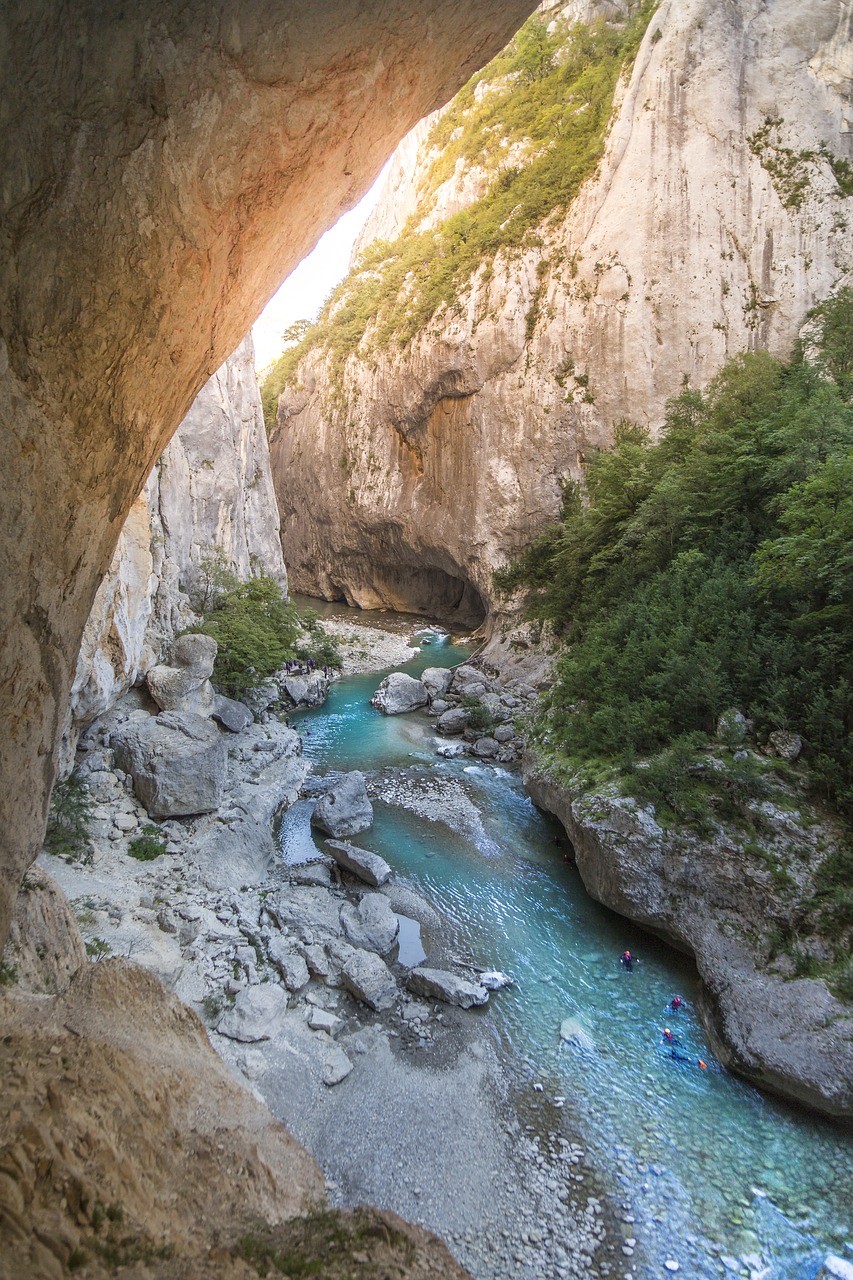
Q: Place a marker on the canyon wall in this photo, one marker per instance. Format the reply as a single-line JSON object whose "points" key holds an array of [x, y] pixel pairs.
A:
{"points": [[210, 492], [164, 167], [716, 218]]}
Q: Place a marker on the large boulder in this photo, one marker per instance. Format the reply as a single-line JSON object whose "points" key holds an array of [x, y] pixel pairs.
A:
{"points": [[177, 760], [398, 693], [291, 966], [436, 680], [232, 715], [361, 862], [254, 1013], [372, 924], [229, 855], [345, 809], [184, 684], [370, 980], [441, 984], [306, 691], [469, 681], [305, 908], [453, 721]]}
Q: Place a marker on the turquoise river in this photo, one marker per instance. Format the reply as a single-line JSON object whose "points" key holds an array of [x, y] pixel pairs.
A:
{"points": [[737, 1183]]}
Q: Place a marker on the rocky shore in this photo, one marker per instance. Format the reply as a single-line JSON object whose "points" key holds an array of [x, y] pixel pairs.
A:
{"points": [[718, 900], [302, 978]]}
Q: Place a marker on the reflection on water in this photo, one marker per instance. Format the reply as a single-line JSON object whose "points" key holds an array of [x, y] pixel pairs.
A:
{"points": [[710, 1167]]}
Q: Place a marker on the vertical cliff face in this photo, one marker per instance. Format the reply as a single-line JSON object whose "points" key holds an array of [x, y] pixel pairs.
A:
{"points": [[210, 490], [719, 213], [164, 167]]}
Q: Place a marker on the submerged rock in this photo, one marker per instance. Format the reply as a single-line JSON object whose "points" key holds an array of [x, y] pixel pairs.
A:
{"points": [[345, 809], [573, 1032], [399, 693], [441, 984], [370, 980], [361, 862], [177, 760]]}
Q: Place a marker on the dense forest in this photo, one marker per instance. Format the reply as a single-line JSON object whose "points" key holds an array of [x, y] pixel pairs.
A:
{"points": [[711, 570], [702, 589]]}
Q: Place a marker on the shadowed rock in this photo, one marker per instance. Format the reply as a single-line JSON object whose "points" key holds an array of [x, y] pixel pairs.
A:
{"points": [[370, 980], [177, 760], [232, 715], [361, 862], [345, 809]]}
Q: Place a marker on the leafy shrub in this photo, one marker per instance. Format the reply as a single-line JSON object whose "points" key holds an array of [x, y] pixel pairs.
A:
{"points": [[255, 630], [148, 846], [320, 646], [479, 716], [67, 834], [841, 982]]}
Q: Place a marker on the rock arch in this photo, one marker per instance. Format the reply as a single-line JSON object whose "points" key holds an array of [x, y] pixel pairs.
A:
{"points": [[164, 166]]}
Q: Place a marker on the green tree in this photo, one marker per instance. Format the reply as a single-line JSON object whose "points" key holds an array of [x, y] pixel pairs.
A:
{"points": [[255, 629]]}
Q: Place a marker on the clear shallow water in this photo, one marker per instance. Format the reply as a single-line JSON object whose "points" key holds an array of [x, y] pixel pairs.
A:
{"points": [[708, 1166]]}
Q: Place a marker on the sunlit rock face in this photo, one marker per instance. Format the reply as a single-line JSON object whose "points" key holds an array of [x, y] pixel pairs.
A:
{"points": [[210, 492], [440, 461], [165, 166]]}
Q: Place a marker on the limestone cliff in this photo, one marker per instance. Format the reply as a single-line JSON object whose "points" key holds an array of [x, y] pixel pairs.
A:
{"points": [[717, 216], [164, 168], [210, 489]]}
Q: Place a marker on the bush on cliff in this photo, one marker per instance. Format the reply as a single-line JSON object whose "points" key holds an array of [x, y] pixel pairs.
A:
{"points": [[712, 569], [255, 629]]}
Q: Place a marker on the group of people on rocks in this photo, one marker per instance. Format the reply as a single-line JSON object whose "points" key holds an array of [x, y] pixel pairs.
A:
{"points": [[627, 961], [294, 668]]}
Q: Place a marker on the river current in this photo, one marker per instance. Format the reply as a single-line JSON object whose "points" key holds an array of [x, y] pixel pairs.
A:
{"points": [[704, 1169]]}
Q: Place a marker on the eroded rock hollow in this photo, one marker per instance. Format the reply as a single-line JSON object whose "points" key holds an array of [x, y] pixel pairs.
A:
{"points": [[164, 168]]}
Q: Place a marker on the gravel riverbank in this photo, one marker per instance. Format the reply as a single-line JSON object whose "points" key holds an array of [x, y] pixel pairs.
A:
{"points": [[407, 1107]]}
